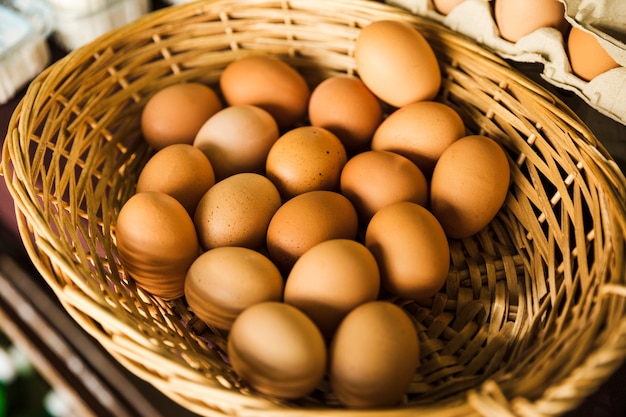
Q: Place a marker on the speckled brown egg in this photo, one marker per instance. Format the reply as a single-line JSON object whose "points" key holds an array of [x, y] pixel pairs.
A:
{"points": [[180, 170], [373, 356], [236, 211], [175, 113], [269, 83], [224, 281], [157, 242], [277, 350], [306, 158], [306, 220]]}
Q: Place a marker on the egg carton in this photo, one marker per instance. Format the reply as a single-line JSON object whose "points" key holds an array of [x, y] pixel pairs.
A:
{"points": [[604, 19], [24, 28], [80, 22]]}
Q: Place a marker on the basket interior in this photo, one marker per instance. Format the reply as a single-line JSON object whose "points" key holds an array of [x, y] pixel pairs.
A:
{"points": [[526, 301]]}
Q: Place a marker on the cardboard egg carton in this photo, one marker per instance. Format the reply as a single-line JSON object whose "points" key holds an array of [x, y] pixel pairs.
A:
{"points": [[80, 22], [605, 19]]}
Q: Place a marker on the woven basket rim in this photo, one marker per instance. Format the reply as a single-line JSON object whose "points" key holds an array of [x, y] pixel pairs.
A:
{"points": [[130, 347]]}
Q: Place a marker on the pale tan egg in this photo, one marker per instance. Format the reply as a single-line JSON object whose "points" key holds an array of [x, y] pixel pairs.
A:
{"points": [[469, 185], [516, 19], [180, 170], [346, 107], [222, 282], [175, 113], [373, 356], [306, 220], [331, 279], [411, 249], [446, 6], [306, 158], [237, 139], [374, 179], [420, 131], [236, 211], [277, 350], [587, 55], [157, 242], [269, 83], [396, 62]]}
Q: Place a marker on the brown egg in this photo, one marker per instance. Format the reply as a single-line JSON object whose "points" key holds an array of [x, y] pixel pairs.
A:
{"points": [[587, 56], [277, 350], [237, 139], [397, 63], [516, 19], [236, 211], [411, 249], [180, 170], [157, 242], [346, 107], [175, 113], [420, 131], [224, 281], [469, 185], [306, 220], [331, 279], [304, 159], [373, 356], [374, 179], [269, 83]]}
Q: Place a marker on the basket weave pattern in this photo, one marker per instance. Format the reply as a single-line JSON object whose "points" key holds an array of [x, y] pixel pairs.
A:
{"points": [[531, 319]]}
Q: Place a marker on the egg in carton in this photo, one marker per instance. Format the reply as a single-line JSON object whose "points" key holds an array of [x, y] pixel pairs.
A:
{"points": [[548, 42]]}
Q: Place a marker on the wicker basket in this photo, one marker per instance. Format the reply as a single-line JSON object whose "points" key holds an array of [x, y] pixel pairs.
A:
{"points": [[532, 318]]}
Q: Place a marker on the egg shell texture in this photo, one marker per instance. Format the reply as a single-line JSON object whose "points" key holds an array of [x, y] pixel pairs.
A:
{"points": [[157, 242], [306, 220], [224, 281], [269, 83], [180, 170], [397, 63], [175, 113], [411, 249], [469, 185], [346, 107], [373, 356], [374, 179], [331, 279], [277, 350], [236, 211], [420, 131], [587, 56], [516, 19], [306, 158], [237, 139]]}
